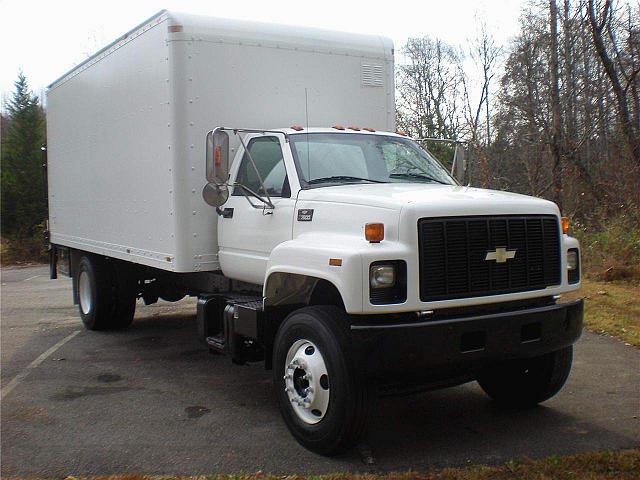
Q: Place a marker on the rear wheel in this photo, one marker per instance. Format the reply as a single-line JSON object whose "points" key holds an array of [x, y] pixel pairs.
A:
{"points": [[526, 382], [323, 399], [106, 294]]}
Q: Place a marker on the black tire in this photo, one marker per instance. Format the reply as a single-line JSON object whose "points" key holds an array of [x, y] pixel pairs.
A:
{"points": [[524, 383], [107, 298], [349, 395], [172, 296]]}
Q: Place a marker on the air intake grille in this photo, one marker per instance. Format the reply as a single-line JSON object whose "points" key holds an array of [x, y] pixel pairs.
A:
{"points": [[453, 252]]}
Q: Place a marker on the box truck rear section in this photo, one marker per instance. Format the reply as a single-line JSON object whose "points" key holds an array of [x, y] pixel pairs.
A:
{"points": [[127, 128]]}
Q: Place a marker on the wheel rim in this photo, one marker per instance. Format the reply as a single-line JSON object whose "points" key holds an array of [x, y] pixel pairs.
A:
{"points": [[307, 381], [84, 292]]}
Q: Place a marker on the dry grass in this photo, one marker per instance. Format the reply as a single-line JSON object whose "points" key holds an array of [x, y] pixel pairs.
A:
{"points": [[611, 245], [604, 465], [612, 308], [22, 252]]}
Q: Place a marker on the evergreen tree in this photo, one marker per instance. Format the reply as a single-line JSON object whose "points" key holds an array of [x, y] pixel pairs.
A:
{"points": [[24, 205]]}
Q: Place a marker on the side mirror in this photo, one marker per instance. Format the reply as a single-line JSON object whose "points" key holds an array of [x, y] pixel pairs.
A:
{"points": [[459, 166], [216, 191], [217, 156]]}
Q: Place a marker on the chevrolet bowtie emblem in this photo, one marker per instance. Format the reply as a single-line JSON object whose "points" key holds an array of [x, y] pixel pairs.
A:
{"points": [[500, 255]]}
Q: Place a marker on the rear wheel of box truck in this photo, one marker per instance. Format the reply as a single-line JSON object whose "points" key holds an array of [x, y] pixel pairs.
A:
{"points": [[525, 382], [322, 397], [106, 293]]}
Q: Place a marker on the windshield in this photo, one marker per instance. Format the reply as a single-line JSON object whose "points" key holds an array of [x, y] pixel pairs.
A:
{"points": [[335, 158]]}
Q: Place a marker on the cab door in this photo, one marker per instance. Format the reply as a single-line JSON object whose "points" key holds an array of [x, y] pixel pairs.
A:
{"points": [[246, 234]]}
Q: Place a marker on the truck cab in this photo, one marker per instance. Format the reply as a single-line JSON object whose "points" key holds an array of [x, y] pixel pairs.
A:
{"points": [[419, 281]]}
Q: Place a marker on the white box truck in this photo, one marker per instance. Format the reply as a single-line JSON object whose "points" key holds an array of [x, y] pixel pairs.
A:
{"points": [[341, 254]]}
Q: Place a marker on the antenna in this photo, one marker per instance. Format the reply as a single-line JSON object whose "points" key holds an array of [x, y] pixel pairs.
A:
{"points": [[306, 112]]}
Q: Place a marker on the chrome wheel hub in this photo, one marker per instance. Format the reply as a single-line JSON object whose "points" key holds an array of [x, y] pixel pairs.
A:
{"points": [[306, 381], [84, 292]]}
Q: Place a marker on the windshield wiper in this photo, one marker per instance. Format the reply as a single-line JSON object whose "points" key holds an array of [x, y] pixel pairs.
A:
{"points": [[417, 175], [338, 178]]}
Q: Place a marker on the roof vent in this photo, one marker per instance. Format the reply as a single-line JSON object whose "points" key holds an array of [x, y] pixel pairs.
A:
{"points": [[372, 75]]}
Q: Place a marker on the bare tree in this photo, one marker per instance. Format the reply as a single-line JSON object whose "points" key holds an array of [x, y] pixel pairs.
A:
{"points": [[485, 54], [430, 89], [564, 122], [601, 26], [556, 116]]}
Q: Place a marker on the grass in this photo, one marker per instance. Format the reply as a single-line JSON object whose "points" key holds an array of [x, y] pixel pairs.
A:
{"points": [[610, 245], [612, 308], [603, 465]]}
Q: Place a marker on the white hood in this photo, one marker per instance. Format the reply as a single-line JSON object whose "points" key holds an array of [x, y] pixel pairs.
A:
{"points": [[431, 200]]}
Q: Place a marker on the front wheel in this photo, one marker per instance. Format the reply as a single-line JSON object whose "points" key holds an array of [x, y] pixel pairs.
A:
{"points": [[526, 382], [322, 398]]}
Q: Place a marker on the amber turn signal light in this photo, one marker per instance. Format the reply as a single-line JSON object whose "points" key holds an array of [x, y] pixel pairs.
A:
{"points": [[565, 224], [374, 232]]}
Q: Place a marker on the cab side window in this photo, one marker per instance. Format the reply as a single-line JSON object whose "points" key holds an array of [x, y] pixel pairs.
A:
{"points": [[267, 155]]}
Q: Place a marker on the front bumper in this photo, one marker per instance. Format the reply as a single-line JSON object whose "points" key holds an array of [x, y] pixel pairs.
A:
{"points": [[441, 351]]}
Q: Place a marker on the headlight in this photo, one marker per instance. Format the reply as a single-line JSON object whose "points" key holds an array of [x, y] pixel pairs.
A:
{"points": [[572, 260], [382, 276], [573, 265]]}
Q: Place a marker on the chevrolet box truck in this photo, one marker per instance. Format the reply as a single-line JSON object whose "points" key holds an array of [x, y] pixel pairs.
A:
{"points": [[255, 167]]}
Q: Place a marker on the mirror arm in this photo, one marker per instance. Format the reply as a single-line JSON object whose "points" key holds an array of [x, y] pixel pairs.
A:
{"points": [[253, 194], [255, 168]]}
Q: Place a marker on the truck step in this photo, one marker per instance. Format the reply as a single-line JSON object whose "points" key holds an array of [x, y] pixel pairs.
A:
{"points": [[216, 342]]}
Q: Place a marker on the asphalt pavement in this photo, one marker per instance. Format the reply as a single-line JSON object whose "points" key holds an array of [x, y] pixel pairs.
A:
{"points": [[152, 400]]}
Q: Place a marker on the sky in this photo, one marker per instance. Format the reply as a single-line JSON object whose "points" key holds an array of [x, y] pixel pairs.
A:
{"points": [[45, 39]]}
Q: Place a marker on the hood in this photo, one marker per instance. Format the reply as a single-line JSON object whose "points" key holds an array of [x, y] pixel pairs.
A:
{"points": [[430, 199]]}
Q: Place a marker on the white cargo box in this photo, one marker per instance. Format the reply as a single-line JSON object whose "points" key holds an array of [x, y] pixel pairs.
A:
{"points": [[126, 129]]}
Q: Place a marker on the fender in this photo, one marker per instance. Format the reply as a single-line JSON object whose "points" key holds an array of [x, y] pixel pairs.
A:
{"points": [[304, 260]]}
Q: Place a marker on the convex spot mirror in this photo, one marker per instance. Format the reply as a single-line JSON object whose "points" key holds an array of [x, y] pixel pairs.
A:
{"points": [[216, 192]]}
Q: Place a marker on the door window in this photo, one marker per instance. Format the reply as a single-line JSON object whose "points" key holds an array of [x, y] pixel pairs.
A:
{"points": [[267, 155]]}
